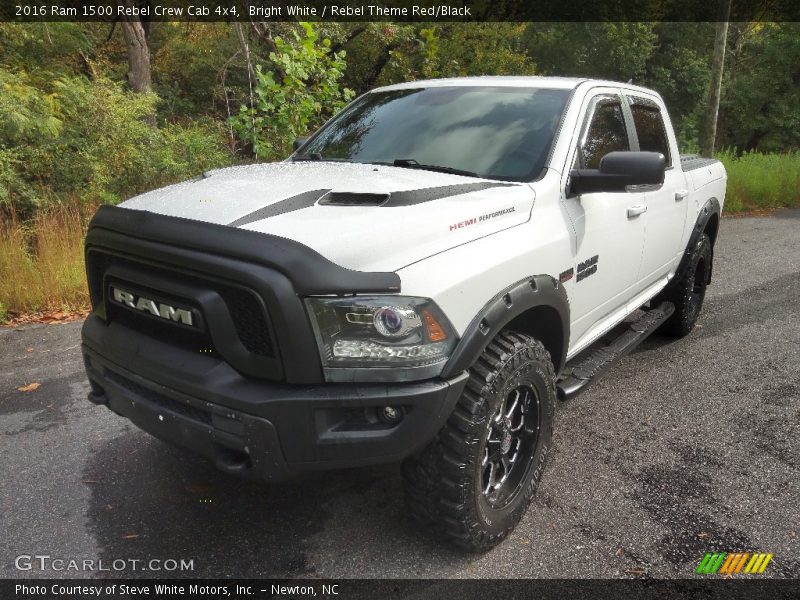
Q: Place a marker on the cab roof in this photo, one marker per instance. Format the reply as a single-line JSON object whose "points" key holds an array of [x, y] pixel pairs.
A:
{"points": [[563, 83], [555, 83]]}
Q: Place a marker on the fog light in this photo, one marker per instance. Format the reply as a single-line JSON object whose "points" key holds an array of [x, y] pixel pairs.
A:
{"points": [[391, 415]]}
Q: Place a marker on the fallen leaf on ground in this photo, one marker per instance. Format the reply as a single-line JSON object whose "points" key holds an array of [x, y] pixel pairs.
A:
{"points": [[53, 317], [29, 388]]}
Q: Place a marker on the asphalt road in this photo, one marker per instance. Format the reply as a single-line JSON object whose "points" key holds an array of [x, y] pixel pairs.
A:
{"points": [[685, 447]]}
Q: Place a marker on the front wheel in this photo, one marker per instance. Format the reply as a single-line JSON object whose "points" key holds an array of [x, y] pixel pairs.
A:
{"points": [[688, 292], [476, 479]]}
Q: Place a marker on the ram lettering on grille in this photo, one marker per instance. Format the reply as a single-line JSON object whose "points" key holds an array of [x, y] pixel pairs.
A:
{"points": [[157, 309]]}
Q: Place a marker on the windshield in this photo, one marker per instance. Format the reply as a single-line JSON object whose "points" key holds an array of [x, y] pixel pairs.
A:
{"points": [[492, 132]]}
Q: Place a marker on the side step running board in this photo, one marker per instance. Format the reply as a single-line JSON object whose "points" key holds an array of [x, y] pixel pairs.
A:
{"points": [[589, 368]]}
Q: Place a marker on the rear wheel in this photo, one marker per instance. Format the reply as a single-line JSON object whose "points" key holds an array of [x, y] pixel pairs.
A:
{"points": [[476, 479], [688, 293]]}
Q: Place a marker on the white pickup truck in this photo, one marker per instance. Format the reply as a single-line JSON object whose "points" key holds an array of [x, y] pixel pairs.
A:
{"points": [[420, 281]]}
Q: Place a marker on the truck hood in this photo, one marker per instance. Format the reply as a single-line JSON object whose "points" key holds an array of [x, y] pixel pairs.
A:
{"points": [[363, 217]]}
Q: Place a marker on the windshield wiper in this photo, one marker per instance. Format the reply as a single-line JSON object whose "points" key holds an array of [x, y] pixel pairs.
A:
{"points": [[316, 156], [410, 163]]}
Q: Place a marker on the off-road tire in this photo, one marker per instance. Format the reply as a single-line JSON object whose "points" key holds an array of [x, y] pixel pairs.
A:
{"points": [[688, 292], [445, 484]]}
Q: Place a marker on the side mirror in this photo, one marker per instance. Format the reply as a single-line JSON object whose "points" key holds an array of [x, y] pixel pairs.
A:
{"points": [[617, 171], [299, 143]]}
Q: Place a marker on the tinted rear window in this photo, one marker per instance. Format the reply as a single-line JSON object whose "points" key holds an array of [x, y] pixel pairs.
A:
{"points": [[650, 127]]}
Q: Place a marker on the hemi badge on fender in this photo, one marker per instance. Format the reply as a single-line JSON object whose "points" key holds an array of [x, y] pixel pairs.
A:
{"points": [[587, 267]]}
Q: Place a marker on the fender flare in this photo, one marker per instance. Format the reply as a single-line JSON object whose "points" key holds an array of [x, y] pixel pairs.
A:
{"points": [[709, 209], [518, 298]]}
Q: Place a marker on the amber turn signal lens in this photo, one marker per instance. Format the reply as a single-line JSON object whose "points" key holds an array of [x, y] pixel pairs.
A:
{"points": [[435, 331]]}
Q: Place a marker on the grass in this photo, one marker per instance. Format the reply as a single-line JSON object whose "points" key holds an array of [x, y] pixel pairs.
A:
{"points": [[761, 181], [41, 261]]}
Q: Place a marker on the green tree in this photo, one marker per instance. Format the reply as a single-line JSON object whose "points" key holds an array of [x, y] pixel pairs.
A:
{"points": [[618, 51], [299, 93], [680, 70], [760, 108]]}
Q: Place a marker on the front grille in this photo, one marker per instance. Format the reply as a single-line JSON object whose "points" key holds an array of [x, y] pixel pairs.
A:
{"points": [[195, 340], [248, 318], [159, 399], [246, 310]]}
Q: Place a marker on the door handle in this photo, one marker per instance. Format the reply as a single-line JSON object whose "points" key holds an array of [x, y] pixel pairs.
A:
{"points": [[636, 210], [681, 195]]}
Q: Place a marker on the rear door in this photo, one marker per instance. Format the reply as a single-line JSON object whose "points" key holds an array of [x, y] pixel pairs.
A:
{"points": [[608, 240], [666, 204]]}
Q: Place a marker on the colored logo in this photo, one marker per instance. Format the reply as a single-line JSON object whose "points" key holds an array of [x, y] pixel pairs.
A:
{"points": [[733, 563]]}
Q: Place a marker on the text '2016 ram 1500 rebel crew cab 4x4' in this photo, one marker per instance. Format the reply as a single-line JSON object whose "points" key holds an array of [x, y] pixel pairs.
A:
{"points": [[420, 281]]}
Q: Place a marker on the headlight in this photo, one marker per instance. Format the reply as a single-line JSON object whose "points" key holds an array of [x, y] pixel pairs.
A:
{"points": [[380, 331]]}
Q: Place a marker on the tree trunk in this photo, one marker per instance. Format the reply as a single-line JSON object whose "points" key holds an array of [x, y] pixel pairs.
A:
{"points": [[251, 74], [717, 66], [138, 55]]}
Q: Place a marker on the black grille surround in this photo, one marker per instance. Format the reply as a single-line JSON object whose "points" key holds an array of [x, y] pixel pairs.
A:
{"points": [[248, 287], [246, 314]]}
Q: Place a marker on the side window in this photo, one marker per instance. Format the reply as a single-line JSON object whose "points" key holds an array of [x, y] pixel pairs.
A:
{"points": [[650, 127], [606, 133]]}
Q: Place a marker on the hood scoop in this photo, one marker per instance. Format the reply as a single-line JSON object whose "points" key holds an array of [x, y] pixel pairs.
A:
{"points": [[354, 199]]}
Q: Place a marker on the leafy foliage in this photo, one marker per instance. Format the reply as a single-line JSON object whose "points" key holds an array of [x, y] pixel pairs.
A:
{"points": [[451, 50], [92, 138], [618, 51], [25, 113], [300, 93], [761, 106]]}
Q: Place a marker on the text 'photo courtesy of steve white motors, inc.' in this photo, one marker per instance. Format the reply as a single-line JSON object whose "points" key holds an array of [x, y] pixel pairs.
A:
{"points": [[176, 590]]}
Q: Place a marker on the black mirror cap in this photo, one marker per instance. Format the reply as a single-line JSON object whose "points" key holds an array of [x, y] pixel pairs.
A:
{"points": [[299, 143], [645, 167], [618, 170]]}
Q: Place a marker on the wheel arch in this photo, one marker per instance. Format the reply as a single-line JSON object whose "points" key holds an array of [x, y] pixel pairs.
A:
{"points": [[712, 227], [707, 222], [537, 306]]}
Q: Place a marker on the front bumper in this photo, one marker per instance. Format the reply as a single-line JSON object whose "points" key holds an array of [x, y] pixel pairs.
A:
{"points": [[254, 427]]}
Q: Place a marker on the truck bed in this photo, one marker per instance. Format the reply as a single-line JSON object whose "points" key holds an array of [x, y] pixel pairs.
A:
{"points": [[690, 162]]}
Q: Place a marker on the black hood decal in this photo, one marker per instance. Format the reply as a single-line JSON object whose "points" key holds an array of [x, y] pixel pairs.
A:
{"points": [[291, 204], [412, 197], [407, 198]]}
